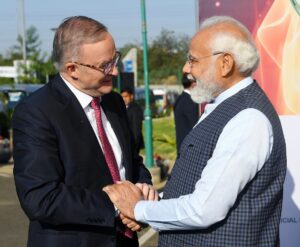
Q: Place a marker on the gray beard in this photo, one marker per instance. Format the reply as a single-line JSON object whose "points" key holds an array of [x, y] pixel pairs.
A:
{"points": [[202, 92]]}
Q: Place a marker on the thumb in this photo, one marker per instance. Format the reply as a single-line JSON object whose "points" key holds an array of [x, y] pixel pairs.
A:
{"points": [[106, 189]]}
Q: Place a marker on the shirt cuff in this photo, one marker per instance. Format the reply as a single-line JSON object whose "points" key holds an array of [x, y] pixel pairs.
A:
{"points": [[139, 210]]}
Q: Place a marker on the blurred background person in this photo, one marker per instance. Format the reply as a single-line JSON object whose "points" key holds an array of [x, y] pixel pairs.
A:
{"points": [[186, 111], [135, 118]]}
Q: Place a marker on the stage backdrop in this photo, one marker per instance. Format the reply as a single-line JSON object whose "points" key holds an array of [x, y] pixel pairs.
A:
{"points": [[275, 25]]}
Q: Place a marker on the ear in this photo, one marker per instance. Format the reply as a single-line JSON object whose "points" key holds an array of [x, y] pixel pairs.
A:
{"points": [[226, 64], [72, 70]]}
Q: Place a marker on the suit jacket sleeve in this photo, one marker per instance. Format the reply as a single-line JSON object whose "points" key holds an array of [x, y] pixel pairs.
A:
{"points": [[40, 176]]}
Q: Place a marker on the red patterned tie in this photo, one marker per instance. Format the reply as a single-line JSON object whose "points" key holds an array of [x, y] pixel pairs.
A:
{"points": [[107, 150]]}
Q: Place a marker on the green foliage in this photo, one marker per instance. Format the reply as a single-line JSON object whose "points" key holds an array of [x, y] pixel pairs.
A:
{"points": [[40, 66], [166, 56], [164, 142], [167, 53], [32, 45]]}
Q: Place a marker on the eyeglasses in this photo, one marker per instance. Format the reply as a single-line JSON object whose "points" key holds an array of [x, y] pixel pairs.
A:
{"points": [[191, 60], [105, 68]]}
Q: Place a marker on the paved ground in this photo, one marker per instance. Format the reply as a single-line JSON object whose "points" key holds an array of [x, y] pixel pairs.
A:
{"points": [[14, 224]]}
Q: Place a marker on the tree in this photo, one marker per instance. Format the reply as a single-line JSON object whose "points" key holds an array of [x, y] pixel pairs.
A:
{"points": [[166, 57], [32, 45], [40, 66]]}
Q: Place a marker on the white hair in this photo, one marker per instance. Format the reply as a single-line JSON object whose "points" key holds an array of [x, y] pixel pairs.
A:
{"points": [[244, 52]]}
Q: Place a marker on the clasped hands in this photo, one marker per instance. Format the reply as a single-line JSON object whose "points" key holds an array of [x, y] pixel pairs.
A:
{"points": [[125, 195]]}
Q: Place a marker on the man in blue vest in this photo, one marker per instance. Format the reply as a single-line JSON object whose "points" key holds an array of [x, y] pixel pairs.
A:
{"points": [[226, 186]]}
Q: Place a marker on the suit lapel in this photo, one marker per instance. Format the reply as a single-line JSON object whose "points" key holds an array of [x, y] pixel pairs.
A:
{"points": [[110, 106], [72, 109], [77, 120], [115, 123]]}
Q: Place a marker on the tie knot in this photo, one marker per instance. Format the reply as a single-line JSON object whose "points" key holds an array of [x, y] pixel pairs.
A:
{"points": [[95, 103]]}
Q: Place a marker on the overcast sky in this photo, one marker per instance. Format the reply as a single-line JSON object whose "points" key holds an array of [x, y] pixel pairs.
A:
{"points": [[122, 17]]}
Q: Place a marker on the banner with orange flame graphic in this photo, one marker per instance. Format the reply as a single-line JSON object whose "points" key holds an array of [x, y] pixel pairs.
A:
{"points": [[276, 30], [275, 25], [278, 39]]}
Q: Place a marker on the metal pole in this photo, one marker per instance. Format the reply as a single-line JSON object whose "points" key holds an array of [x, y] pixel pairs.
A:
{"points": [[119, 78], [147, 112], [23, 32]]}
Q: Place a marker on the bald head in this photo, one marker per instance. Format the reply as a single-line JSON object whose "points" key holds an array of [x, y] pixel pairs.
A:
{"points": [[225, 34]]}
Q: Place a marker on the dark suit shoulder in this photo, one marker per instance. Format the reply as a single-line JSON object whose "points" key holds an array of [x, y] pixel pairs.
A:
{"points": [[38, 99], [56, 89]]}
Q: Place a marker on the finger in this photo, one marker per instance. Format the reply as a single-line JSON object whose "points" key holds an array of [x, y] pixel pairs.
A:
{"points": [[136, 228], [106, 189], [145, 190], [132, 224], [151, 196], [112, 192], [139, 185], [126, 221], [156, 198]]}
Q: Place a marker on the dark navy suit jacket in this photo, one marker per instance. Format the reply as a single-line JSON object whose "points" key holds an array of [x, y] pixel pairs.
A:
{"points": [[186, 113], [60, 169], [135, 118]]}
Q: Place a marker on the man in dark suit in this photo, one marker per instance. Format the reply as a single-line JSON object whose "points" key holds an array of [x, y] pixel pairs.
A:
{"points": [[72, 138], [135, 118], [186, 111]]}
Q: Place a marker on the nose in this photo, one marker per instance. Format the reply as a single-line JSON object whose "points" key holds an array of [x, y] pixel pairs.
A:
{"points": [[114, 71], [186, 68]]}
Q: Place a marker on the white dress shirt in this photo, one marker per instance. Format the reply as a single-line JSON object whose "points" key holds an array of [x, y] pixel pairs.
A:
{"points": [[187, 91], [242, 148], [85, 101]]}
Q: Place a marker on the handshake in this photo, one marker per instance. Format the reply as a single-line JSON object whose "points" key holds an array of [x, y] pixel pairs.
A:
{"points": [[125, 195]]}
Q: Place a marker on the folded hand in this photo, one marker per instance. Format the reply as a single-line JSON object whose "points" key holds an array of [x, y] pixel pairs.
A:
{"points": [[149, 192], [124, 195]]}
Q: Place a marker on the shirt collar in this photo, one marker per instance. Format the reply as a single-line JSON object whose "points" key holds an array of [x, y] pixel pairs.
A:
{"points": [[187, 91], [233, 90], [83, 98], [225, 95]]}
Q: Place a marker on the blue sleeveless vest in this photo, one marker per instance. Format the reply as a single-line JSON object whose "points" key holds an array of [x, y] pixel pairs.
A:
{"points": [[254, 218]]}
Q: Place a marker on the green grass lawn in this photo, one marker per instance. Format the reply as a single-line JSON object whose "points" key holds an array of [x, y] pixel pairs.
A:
{"points": [[164, 141]]}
